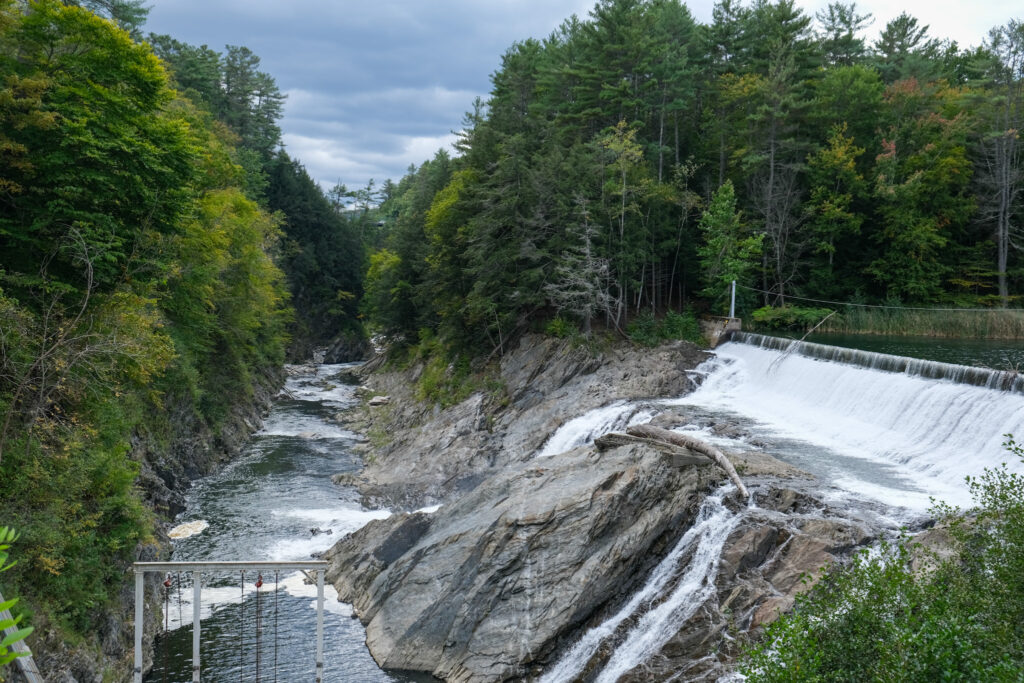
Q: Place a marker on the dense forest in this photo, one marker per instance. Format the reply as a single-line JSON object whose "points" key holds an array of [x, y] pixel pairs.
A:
{"points": [[159, 251], [637, 161], [161, 254]]}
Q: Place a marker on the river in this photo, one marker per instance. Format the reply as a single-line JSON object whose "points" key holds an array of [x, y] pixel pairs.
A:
{"points": [[896, 438], [265, 506]]}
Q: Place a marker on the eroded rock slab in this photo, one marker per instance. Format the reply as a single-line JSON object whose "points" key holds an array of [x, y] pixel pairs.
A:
{"points": [[421, 454], [484, 587]]}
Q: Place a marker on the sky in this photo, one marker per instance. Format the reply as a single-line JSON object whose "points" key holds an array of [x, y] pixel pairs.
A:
{"points": [[376, 85]]}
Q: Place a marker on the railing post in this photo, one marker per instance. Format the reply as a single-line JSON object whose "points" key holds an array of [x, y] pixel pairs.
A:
{"points": [[732, 304], [139, 605], [320, 626], [197, 591]]}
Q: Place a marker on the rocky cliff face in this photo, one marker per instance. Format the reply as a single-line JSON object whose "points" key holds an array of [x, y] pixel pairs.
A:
{"points": [[499, 584], [534, 567], [484, 586], [431, 455]]}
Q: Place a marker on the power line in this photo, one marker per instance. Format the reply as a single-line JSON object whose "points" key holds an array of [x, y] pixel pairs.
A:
{"points": [[895, 308]]}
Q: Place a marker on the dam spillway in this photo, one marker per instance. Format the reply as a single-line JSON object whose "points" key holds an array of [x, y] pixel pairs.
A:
{"points": [[932, 424]]}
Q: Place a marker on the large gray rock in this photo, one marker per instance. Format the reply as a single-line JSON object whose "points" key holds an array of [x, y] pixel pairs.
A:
{"points": [[498, 584], [423, 454], [484, 587]]}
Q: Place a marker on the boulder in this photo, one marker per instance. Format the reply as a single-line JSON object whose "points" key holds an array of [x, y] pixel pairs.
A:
{"points": [[486, 586]]}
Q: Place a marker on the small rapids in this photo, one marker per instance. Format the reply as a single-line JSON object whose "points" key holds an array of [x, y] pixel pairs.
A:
{"points": [[692, 565], [277, 502]]}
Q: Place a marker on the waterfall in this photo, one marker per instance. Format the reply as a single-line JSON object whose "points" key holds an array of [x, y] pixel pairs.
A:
{"points": [[702, 544], [587, 427], [1001, 380], [935, 423]]}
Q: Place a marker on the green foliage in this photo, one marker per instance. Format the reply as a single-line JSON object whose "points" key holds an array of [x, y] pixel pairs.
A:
{"points": [[7, 655], [446, 378], [561, 328], [137, 278], [647, 330], [904, 615], [321, 253], [729, 251], [103, 167], [789, 317], [586, 183]]}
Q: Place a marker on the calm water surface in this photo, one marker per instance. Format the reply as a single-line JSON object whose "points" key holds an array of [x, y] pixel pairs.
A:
{"points": [[998, 354]]}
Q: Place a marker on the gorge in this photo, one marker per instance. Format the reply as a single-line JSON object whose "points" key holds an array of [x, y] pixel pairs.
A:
{"points": [[527, 553]]}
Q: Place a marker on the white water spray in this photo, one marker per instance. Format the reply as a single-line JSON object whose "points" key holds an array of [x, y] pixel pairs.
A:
{"points": [[587, 427], [935, 432], [706, 537]]}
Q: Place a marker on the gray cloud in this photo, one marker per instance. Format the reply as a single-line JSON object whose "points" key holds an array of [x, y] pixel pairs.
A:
{"points": [[375, 85], [372, 86]]}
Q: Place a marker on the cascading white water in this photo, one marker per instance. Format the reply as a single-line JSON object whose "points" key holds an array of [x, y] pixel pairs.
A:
{"points": [[585, 428], [705, 539], [896, 429], [933, 432], [1002, 380]]}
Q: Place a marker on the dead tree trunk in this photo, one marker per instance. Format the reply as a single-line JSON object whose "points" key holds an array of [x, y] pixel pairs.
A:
{"points": [[657, 434]]}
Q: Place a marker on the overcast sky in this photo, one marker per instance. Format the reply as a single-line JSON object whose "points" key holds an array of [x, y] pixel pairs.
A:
{"points": [[376, 85]]}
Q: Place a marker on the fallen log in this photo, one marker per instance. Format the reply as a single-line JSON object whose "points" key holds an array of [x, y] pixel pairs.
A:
{"points": [[680, 457], [657, 434]]}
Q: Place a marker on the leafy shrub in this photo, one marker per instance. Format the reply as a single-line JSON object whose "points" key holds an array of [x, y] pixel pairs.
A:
{"points": [[647, 330], [8, 536], [789, 317], [561, 328], [881, 620]]}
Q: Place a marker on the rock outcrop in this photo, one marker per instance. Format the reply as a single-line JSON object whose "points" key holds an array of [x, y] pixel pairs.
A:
{"points": [[496, 585], [484, 587], [426, 455], [527, 554]]}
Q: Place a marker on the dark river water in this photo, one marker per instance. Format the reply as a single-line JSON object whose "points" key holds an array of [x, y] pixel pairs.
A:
{"points": [[264, 506], [998, 354]]}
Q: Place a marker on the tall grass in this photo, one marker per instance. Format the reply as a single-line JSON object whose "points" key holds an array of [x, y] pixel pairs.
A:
{"points": [[993, 324]]}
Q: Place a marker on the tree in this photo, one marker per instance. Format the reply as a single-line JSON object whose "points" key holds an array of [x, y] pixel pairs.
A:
{"points": [[251, 102], [95, 155], [835, 186], [921, 182], [903, 50], [322, 255], [840, 25], [774, 159], [582, 281], [729, 253], [1001, 176], [628, 182]]}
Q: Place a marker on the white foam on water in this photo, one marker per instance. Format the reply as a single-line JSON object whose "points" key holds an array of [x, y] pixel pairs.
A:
{"points": [[587, 427], [214, 597], [303, 427], [712, 527], [340, 521], [188, 529], [297, 587], [932, 432]]}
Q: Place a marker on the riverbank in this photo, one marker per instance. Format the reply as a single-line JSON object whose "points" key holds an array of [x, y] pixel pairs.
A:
{"points": [[944, 323], [172, 455], [541, 535]]}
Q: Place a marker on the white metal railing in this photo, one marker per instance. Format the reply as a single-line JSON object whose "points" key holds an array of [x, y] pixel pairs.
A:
{"points": [[319, 568]]}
